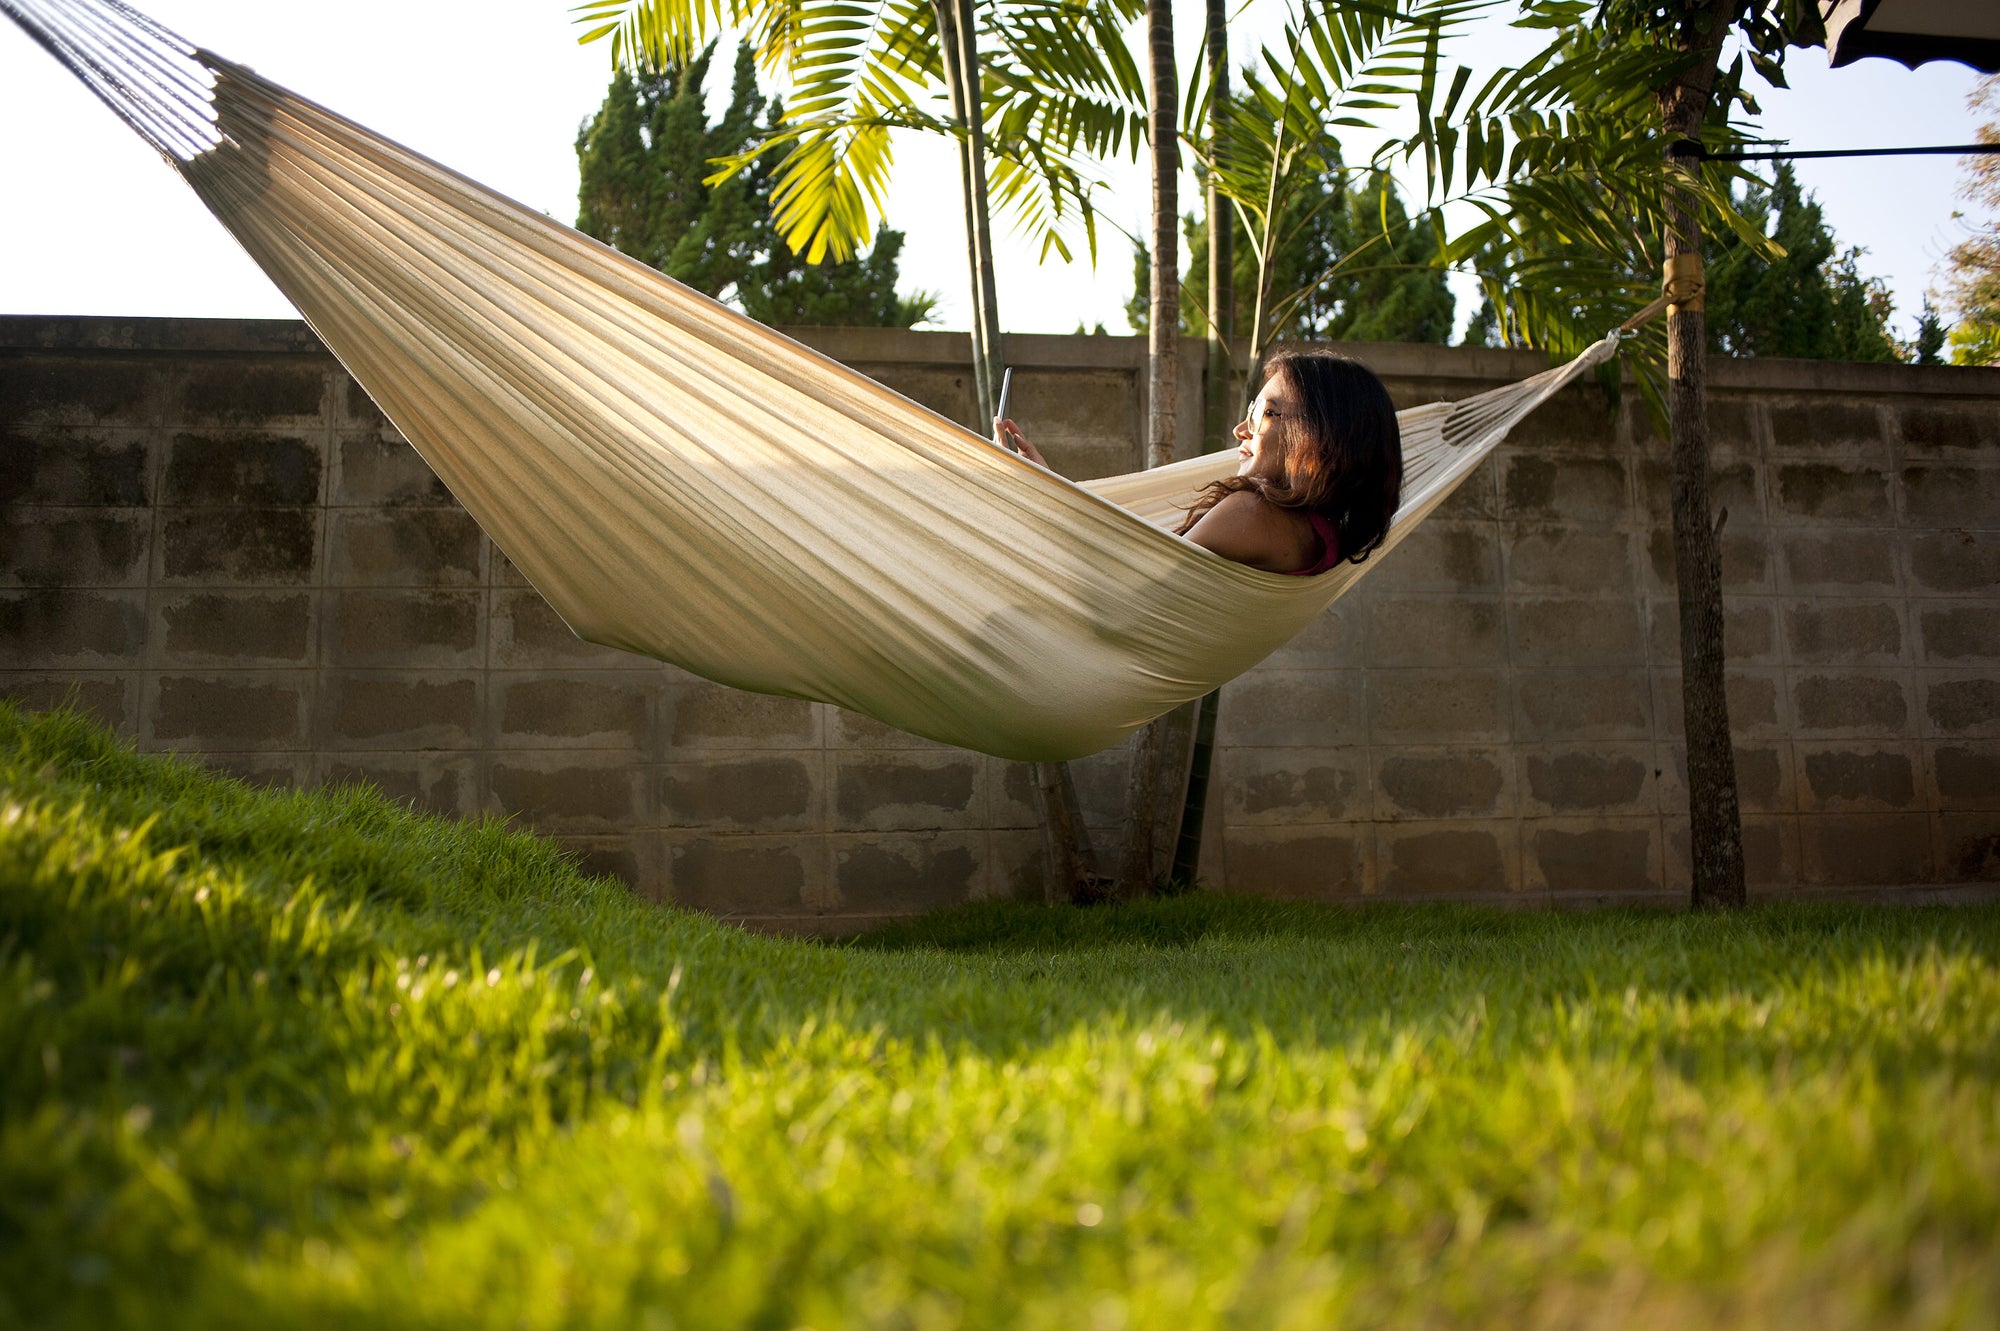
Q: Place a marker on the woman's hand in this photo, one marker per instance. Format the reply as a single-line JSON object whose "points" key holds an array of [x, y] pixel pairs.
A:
{"points": [[1010, 434]]}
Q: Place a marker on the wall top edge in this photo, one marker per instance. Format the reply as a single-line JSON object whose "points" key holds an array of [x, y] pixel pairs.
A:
{"points": [[30, 333]]}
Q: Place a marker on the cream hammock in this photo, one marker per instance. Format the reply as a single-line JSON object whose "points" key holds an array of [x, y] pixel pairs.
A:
{"points": [[682, 482]]}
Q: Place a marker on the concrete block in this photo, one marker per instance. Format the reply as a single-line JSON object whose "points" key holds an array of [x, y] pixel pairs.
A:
{"points": [[1957, 704], [908, 871], [44, 630], [1262, 787], [1844, 633], [852, 730], [1584, 562], [355, 409], [1954, 562], [1435, 631], [268, 771], [1576, 632], [224, 470], [1300, 863], [59, 391], [1869, 777], [1751, 695], [1477, 497], [1828, 428], [1965, 775], [1961, 633], [1968, 847], [1841, 565], [1771, 851], [1946, 426], [503, 571], [263, 546], [1600, 779], [1581, 490], [702, 715], [376, 711], [1583, 704], [1088, 417], [1829, 493], [610, 711], [415, 547], [1011, 803], [73, 547], [626, 859], [445, 784], [111, 699], [950, 392], [1850, 704], [376, 472], [1440, 556], [568, 792], [102, 469], [238, 712], [234, 628], [1451, 783], [1435, 706], [1427, 859], [404, 630], [236, 392], [1617, 858], [763, 792], [527, 634], [1865, 849], [746, 875], [1018, 867], [906, 790], [1940, 496], [1581, 418], [1292, 709]]}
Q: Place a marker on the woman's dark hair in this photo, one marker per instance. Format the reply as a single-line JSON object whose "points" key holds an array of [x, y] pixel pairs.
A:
{"points": [[1343, 451]]}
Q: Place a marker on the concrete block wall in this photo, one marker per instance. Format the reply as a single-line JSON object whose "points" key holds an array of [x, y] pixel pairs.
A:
{"points": [[211, 539]]}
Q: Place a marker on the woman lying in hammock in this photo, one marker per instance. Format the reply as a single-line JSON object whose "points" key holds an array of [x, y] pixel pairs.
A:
{"points": [[1321, 470]]}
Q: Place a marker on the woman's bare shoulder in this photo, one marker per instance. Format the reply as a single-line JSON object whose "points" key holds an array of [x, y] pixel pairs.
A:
{"points": [[1246, 527]]}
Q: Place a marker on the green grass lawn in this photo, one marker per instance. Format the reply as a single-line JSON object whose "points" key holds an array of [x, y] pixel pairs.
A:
{"points": [[308, 1060]]}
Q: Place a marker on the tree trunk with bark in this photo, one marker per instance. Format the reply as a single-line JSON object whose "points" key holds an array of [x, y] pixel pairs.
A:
{"points": [[1162, 364], [1069, 867], [1715, 824]]}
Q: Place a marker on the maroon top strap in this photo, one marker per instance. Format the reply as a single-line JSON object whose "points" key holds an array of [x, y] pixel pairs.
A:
{"points": [[1329, 541]]}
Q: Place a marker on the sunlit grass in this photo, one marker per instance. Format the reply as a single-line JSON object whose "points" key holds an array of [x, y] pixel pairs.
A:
{"points": [[272, 1059]]}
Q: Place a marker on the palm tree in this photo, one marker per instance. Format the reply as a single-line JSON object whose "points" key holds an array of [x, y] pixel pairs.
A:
{"points": [[1582, 224]]}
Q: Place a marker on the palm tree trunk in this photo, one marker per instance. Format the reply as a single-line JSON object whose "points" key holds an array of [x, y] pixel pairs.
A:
{"points": [[1162, 364], [1069, 868], [1218, 414], [1714, 821]]}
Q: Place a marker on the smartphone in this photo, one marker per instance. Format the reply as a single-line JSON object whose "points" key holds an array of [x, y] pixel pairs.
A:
{"points": [[1004, 409]]}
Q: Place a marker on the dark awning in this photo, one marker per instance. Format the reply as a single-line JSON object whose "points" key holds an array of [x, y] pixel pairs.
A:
{"points": [[1913, 31]]}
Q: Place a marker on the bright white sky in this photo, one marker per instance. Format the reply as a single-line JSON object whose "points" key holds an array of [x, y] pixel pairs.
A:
{"points": [[92, 223]]}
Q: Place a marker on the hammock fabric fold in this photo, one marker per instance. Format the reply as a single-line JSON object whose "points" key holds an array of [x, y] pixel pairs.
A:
{"points": [[683, 482]]}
